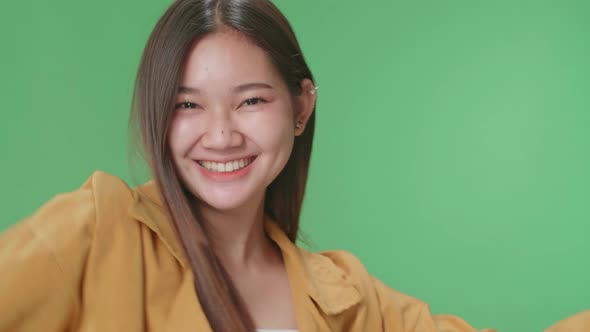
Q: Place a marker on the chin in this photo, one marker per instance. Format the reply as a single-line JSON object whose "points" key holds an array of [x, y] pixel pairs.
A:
{"points": [[221, 200], [222, 205]]}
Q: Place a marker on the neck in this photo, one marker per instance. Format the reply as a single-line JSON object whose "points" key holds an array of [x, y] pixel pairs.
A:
{"points": [[238, 236]]}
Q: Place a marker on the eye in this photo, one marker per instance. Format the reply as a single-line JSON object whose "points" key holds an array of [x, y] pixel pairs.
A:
{"points": [[253, 101], [186, 105]]}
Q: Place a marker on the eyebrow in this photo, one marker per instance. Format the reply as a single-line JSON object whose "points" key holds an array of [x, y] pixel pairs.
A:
{"points": [[237, 89]]}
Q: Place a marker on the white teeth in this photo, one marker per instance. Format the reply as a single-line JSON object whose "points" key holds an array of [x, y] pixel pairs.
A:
{"points": [[230, 166]]}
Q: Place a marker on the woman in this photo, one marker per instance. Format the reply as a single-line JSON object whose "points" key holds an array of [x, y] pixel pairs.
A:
{"points": [[224, 106]]}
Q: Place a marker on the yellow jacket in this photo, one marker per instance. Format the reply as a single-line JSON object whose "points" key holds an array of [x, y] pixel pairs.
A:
{"points": [[105, 258]]}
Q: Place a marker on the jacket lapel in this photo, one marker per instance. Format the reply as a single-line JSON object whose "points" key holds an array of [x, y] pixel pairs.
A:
{"points": [[314, 278], [147, 208], [322, 280]]}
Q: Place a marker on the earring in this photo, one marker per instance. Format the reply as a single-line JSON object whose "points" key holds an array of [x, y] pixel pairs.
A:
{"points": [[299, 124], [314, 90]]}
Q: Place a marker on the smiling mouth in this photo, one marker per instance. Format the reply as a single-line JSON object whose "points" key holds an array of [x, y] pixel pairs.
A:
{"points": [[226, 167]]}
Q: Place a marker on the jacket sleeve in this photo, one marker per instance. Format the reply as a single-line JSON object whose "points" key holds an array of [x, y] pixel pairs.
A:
{"points": [[42, 262], [577, 323], [416, 314]]}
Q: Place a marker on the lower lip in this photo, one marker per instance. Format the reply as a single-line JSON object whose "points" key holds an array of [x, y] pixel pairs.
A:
{"points": [[225, 176]]}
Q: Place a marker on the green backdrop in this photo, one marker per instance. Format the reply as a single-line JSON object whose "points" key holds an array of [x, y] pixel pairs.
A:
{"points": [[453, 141]]}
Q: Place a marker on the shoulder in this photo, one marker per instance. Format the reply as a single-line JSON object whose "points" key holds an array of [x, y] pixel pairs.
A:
{"points": [[377, 304], [337, 265], [340, 264], [107, 188], [65, 225], [344, 260], [79, 208], [45, 257], [99, 188]]}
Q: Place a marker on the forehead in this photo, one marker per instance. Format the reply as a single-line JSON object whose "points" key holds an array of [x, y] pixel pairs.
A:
{"points": [[227, 57]]}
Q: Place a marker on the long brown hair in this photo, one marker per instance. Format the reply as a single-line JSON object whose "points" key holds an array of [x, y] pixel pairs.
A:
{"points": [[184, 23]]}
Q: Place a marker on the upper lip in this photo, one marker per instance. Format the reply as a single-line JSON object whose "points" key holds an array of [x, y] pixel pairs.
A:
{"points": [[226, 159]]}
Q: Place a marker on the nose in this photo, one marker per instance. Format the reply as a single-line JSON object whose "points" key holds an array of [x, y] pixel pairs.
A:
{"points": [[222, 133]]}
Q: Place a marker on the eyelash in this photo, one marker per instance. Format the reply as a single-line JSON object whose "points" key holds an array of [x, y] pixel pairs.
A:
{"points": [[186, 105], [257, 99], [248, 102]]}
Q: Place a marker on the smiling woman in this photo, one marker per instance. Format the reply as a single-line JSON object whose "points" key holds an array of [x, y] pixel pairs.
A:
{"points": [[235, 123], [224, 106]]}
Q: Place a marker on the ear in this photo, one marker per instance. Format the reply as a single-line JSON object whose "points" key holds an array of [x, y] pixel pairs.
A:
{"points": [[305, 104]]}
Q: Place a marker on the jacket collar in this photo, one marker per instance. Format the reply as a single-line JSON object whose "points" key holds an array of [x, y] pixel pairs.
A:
{"points": [[147, 208], [326, 283]]}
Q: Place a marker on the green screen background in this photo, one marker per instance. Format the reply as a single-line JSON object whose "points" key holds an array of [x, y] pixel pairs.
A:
{"points": [[452, 152]]}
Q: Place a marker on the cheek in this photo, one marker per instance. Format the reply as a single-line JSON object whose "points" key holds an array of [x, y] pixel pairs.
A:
{"points": [[181, 134], [273, 129]]}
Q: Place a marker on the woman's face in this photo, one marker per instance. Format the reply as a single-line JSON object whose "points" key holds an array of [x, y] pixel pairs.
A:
{"points": [[235, 121]]}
